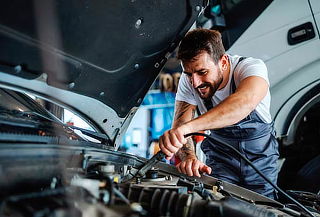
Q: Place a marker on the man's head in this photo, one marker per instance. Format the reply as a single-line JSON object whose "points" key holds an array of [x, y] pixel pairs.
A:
{"points": [[203, 60]]}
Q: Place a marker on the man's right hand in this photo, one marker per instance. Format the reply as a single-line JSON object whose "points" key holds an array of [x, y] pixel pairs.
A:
{"points": [[191, 166]]}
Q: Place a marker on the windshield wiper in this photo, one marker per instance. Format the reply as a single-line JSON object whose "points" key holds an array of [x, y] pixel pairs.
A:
{"points": [[103, 138]]}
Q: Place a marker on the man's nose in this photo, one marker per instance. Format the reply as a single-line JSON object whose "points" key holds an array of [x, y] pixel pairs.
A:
{"points": [[195, 80]]}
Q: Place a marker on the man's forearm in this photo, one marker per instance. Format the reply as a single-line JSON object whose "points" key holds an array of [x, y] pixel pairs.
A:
{"points": [[187, 150], [184, 112], [224, 114]]}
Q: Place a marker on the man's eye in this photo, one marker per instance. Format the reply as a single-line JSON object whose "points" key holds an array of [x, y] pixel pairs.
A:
{"points": [[202, 72]]}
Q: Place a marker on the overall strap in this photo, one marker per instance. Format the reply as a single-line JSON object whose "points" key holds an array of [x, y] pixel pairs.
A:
{"points": [[233, 84], [208, 103]]}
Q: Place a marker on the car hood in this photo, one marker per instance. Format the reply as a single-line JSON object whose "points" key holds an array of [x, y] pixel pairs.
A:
{"points": [[98, 58]]}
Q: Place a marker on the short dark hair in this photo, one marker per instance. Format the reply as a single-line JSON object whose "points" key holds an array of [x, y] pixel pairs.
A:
{"points": [[199, 40]]}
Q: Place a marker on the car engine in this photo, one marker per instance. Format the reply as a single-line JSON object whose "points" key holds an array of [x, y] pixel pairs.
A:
{"points": [[40, 180]]}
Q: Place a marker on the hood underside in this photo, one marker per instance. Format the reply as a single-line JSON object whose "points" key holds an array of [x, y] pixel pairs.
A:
{"points": [[97, 58], [107, 50]]}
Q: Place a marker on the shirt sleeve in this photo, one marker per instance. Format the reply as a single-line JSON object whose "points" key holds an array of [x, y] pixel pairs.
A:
{"points": [[252, 67], [185, 91]]}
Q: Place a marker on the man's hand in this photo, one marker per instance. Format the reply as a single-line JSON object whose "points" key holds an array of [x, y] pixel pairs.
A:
{"points": [[171, 141], [191, 166]]}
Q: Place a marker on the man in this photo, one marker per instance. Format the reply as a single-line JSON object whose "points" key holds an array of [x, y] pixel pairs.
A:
{"points": [[232, 95]]}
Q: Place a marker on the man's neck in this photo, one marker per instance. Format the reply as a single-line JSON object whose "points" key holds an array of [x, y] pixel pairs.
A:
{"points": [[226, 74]]}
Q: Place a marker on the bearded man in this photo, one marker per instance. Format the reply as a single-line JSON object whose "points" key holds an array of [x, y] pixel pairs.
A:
{"points": [[232, 95]]}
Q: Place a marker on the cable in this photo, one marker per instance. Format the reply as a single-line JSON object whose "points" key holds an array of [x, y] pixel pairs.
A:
{"points": [[255, 168], [121, 196]]}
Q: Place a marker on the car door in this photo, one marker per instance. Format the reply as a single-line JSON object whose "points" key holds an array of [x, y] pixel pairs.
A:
{"points": [[286, 37]]}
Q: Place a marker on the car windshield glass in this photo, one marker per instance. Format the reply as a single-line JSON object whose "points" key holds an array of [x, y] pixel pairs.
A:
{"points": [[26, 108], [13, 101], [239, 15]]}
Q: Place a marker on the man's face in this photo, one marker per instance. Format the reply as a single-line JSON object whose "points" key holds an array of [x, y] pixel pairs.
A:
{"points": [[205, 76]]}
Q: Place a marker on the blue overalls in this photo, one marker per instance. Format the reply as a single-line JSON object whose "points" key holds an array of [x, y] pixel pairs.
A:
{"points": [[254, 139]]}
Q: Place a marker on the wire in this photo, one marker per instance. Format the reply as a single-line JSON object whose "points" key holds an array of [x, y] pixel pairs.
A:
{"points": [[219, 141], [121, 196]]}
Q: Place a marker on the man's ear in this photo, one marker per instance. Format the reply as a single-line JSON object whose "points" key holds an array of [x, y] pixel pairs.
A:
{"points": [[223, 63]]}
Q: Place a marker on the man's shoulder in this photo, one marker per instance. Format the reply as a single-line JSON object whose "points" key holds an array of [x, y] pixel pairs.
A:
{"points": [[247, 67], [183, 80], [244, 60], [185, 91], [253, 61]]}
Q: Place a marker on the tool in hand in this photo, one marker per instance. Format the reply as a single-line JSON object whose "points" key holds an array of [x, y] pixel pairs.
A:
{"points": [[150, 163], [146, 166]]}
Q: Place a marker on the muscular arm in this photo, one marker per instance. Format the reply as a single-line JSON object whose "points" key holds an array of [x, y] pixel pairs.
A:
{"points": [[187, 150], [184, 112], [173, 141], [234, 108]]}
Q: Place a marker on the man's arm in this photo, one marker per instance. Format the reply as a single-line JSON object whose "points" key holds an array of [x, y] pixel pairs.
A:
{"points": [[184, 112], [173, 141], [234, 108], [187, 150]]}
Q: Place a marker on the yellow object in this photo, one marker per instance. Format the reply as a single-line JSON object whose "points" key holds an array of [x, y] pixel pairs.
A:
{"points": [[116, 179]]}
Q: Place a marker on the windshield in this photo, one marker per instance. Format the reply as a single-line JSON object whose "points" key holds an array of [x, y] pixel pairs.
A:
{"points": [[21, 114], [13, 101]]}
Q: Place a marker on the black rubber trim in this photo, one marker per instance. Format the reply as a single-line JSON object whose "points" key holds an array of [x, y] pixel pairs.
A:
{"points": [[314, 19]]}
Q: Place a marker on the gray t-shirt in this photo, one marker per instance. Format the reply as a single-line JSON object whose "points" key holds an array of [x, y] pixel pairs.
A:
{"points": [[246, 68]]}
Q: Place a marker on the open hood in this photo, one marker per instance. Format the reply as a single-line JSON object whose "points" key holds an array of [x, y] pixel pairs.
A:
{"points": [[98, 58]]}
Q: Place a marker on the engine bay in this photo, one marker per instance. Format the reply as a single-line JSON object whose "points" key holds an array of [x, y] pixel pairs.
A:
{"points": [[68, 181]]}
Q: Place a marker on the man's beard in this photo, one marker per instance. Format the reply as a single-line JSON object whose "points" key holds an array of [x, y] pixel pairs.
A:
{"points": [[213, 87]]}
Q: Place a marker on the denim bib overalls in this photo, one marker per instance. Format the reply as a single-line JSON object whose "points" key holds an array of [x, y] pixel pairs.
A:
{"points": [[254, 139]]}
